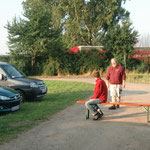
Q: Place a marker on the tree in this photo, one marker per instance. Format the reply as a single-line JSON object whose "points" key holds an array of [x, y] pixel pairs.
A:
{"points": [[86, 22], [35, 35], [49, 26], [119, 41]]}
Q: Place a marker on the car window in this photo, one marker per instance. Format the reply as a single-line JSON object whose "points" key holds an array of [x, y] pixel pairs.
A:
{"points": [[12, 71], [2, 71]]}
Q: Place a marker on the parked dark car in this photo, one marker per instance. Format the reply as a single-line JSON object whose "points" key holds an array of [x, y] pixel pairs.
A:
{"points": [[28, 88], [9, 99]]}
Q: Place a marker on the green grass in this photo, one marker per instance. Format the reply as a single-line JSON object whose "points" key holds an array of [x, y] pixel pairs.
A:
{"points": [[138, 78], [61, 94]]}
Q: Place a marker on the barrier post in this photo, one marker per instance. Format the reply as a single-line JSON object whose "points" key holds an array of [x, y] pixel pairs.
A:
{"points": [[87, 113], [147, 113]]}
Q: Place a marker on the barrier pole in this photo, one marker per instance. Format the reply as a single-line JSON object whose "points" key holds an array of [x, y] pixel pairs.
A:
{"points": [[87, 113]]}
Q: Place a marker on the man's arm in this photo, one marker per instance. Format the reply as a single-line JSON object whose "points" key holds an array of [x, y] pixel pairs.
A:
{"points": [[107, 83], [108, 78], [123, 78], [123, 84]]}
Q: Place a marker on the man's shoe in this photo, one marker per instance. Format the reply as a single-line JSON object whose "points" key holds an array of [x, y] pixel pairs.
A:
{"points": [[100, 111], [112, 107], [101, 115], [97, 116]]}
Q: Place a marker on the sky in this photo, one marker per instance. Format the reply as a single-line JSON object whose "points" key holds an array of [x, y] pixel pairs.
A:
{"points": [[139, 15]]}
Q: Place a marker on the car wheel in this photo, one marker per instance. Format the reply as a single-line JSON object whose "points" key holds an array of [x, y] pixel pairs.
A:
{"points": [[22, 95]]}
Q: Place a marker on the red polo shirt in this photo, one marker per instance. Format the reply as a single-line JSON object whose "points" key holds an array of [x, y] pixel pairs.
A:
{"points": [[115, 75], [100, 90]]}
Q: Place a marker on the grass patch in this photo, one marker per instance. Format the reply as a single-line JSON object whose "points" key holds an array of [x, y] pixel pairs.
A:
{"points": [[61, 94], [138, 78]]}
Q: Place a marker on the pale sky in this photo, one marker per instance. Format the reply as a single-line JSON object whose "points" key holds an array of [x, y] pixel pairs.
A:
{"points": [[139, 15], [8, 10]]}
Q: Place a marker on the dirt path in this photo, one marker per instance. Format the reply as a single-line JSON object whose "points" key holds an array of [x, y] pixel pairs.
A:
{"points": [[121, 129]]}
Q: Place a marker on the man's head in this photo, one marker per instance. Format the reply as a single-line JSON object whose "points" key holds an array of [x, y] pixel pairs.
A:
{"points": [[114, 62], [96, 74]]}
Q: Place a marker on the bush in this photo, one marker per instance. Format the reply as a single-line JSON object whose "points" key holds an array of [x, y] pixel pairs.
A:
{"points": [[143, 67], [82, 62], [71, 63], [51, 67], [137, 65], [90, 61]]}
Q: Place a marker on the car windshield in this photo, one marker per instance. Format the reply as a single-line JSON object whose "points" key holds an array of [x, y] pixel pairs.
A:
{"points": [[13, 72]]}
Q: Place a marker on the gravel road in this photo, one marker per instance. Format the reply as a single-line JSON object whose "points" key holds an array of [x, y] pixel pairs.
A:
{"points": [[122, 129]]}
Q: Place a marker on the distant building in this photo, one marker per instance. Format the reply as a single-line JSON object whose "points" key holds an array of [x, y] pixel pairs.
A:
{"points": [[141, 53], [86, 48]]}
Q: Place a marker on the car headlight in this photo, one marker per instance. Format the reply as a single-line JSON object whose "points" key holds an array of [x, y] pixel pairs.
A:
{"points": [[33, 85], [3, 98]]}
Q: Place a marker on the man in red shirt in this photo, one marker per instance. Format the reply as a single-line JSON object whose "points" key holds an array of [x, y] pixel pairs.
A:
{"points": [[115, 80], [99, 96]]}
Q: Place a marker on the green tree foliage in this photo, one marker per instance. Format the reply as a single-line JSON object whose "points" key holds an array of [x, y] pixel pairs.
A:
{"points": [[86, 21], [34, 36], [119, 41], [138, 66], [79, 63], [39, 40], [4, 58]]}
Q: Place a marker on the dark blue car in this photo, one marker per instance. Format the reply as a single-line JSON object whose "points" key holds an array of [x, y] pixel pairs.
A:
{"points": [[9, 99]]}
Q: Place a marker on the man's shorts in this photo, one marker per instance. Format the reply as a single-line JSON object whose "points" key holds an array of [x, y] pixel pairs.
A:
{"points": [[115, 90]]}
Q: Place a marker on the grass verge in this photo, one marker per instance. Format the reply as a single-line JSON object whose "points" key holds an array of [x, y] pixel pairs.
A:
{"points": [[138, 78], [61, 94]]}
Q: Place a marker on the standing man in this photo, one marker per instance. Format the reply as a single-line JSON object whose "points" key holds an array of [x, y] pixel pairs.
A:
{"points": [[99, 96], [115, 81]]}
